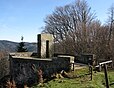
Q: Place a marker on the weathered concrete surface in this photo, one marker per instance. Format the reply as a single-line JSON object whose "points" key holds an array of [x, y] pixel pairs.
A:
{"points": [[22, 54], [87, 59], [22, 72], [42, 38]]}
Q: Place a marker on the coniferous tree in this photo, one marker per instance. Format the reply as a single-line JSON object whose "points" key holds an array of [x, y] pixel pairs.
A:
{"points": [[21, 46]]}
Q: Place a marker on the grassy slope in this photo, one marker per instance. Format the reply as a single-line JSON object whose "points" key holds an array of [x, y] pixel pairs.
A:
{"points": [[82, 82]]}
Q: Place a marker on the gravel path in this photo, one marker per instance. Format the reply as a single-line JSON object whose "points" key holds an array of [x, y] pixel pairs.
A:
{"points": [[79, 65]]}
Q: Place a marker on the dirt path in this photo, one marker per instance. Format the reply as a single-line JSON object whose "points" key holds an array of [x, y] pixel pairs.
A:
{"points": [[79, 65]]}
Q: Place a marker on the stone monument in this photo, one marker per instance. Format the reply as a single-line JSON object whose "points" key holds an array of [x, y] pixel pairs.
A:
{"points": [[45, 42]]}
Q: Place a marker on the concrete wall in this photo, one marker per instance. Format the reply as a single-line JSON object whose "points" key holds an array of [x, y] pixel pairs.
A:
{"points": [[42, 39], [22, 72], [87, 59]]}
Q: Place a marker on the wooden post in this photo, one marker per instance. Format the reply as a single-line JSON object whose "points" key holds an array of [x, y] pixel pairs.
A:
{"points": [[106, 76], [100, 67], [91, 71]]}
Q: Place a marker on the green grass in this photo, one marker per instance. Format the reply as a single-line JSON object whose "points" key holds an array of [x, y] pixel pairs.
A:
{"points": [[81, 82]]}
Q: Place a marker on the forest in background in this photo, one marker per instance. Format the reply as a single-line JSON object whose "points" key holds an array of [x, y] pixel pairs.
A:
{"points": [[76, 30]]}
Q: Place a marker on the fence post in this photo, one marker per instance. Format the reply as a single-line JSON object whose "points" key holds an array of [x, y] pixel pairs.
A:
{"points": [[106, 77], [91, 72], [100, 67]]}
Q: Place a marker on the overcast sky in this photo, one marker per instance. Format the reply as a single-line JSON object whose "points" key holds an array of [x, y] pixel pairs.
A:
{"points": [[26, 17]]}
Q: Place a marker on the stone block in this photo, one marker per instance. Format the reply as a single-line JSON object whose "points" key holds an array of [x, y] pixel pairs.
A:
{"points": [[45, 41]]}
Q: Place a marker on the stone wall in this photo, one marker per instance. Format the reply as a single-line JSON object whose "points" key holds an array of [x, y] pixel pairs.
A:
{"points": [[86, 59], [22, 72]]}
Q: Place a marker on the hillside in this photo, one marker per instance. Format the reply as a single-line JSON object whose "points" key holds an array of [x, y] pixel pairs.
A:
{"points": [[98, 81], [10, 46]]}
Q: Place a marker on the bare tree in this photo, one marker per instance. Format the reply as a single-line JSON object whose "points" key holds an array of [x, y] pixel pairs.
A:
{"points": [[70, 26], [77, 31], [111, 31], [111, 21]]}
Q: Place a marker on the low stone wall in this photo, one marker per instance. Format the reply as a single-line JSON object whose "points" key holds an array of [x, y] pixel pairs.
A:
{"points": [[86, 59], [22, 72]]}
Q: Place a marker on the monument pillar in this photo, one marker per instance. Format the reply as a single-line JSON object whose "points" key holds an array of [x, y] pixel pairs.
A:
{"points": [[45, 42], [39, 45]]}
